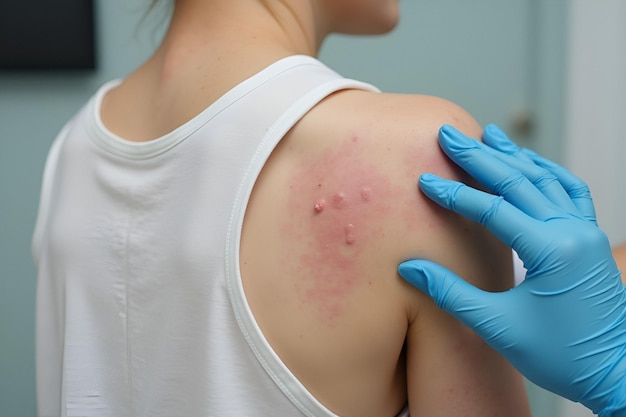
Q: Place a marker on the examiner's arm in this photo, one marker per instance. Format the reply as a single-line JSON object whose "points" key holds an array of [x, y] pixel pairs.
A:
{"points": [[564, 327]]}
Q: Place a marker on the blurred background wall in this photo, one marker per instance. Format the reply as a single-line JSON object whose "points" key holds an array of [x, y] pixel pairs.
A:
{"points": [[596, 95], [547, 71]]}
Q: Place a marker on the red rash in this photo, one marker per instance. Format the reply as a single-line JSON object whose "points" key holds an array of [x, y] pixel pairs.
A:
{"points": [[336, 201]]}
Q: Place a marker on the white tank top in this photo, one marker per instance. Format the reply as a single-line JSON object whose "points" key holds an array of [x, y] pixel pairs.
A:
{"points": [[140, 306]]}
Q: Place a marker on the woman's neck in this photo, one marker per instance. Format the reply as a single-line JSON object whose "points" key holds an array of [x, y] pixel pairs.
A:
{"points": [[210, 46], [289, 24]]}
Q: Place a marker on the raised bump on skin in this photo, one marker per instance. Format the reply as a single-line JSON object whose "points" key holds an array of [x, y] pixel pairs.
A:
{"points": [[366, 193], [320, 205], [349, 232], [340, 200]]}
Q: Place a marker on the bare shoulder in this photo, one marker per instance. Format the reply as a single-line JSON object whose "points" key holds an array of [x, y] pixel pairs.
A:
{"points": [[372, 149], [334, 211], [411, 116], [379, 144]]}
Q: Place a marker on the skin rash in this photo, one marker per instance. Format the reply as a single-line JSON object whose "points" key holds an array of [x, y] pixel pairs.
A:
{"points": [[335, 203]]}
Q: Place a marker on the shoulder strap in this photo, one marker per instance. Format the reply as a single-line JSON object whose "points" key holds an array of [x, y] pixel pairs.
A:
{"points": [[266, 356]]}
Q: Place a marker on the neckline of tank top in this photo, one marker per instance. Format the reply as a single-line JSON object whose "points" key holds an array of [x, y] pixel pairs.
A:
{"points": [[128, 149]]}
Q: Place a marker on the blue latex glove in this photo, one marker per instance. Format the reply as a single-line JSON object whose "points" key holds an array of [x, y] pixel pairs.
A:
{"points": [[564, 327]]}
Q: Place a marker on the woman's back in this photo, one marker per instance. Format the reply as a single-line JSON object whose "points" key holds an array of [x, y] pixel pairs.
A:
{"points": [[334, 210]]}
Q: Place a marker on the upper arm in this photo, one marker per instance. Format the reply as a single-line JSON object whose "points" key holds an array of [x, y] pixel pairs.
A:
{"points": [[450, 371]]}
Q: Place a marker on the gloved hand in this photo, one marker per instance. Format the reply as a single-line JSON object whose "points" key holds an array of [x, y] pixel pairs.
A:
{"points": [[564, 327]]}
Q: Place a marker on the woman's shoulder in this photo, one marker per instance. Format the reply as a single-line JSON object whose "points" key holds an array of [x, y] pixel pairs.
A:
{"points": [[410, 113], [382, 143], [395, 133], [405, 123]]}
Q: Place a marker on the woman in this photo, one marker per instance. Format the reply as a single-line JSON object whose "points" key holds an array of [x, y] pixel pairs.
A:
{"points": [[220, 231]]}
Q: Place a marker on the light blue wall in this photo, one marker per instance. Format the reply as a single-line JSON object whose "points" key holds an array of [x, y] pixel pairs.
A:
{"points": [[34, 106]]}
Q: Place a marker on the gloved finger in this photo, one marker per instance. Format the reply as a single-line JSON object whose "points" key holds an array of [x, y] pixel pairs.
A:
{"points": [[543, 179], [504, 220], [497, 139], [472, 306], [496, 175], [576, 188], [500, 146]]}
